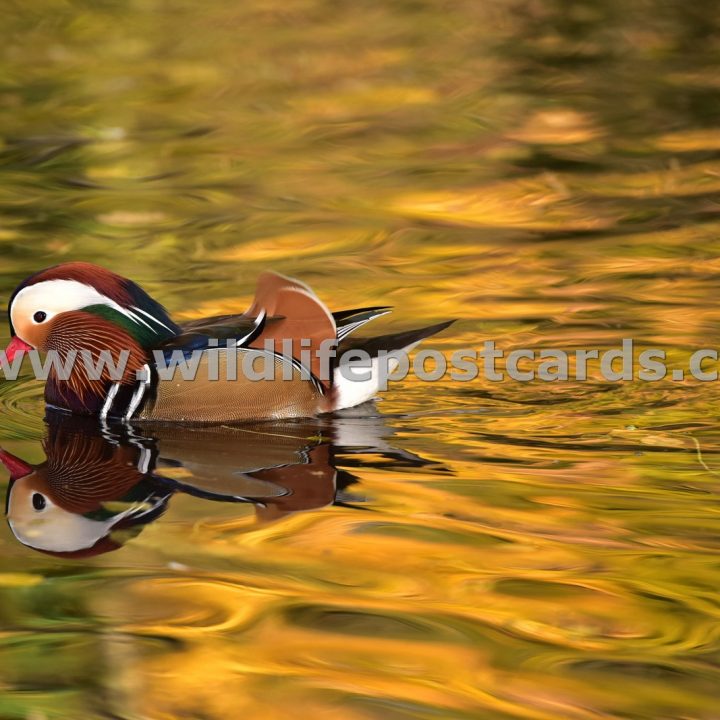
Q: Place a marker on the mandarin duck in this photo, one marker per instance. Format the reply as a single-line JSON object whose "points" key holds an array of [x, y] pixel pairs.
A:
{"points": [[79, 307], [99, 487]]}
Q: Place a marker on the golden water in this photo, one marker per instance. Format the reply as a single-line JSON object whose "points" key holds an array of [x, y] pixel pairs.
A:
{"points": [[547, 173]]}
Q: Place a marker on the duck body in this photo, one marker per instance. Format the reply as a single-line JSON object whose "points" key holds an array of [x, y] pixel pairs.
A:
{"points": [[118, 353]]}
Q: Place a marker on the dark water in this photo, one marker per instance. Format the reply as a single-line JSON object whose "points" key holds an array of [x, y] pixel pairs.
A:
{"points": [[546, 172]]}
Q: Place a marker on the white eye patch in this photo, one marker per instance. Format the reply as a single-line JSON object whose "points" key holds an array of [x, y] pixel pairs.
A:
{"points": [[53, 297], [54, 529]]}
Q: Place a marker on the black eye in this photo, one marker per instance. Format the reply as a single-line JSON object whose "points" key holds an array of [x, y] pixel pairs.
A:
{"points": [[39, 316], [38, 501]]}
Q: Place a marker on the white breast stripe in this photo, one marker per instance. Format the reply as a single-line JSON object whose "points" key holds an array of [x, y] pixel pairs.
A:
{"points": [[138, 394], [109, 400]]}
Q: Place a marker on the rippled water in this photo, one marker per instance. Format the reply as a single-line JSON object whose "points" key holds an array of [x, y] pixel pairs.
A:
{"points": [[547, 173]]}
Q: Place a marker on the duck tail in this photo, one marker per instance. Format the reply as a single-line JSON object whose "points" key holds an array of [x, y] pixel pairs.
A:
{"points": [[351, 388]]}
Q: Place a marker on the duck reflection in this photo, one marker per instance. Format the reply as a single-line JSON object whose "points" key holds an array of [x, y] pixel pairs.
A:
{"points": [[99, 486]]}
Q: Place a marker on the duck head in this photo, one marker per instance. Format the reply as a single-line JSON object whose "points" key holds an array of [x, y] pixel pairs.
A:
{"points": [[81, 307], [76, 502]]}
